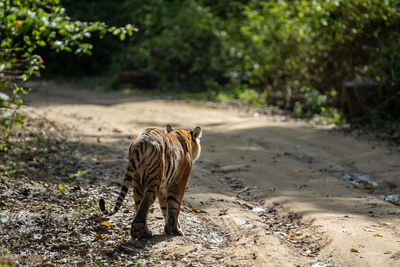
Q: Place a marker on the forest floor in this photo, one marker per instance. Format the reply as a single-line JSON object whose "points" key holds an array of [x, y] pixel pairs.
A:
{"points": [[267, 190]]}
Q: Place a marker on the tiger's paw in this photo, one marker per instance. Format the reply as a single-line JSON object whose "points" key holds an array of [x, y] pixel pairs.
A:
{"points": [[173, 230], [147, 234], [140, 230]]}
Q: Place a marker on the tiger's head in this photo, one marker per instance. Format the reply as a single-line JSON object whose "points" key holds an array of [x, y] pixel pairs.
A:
{"points": [[194, 137]]}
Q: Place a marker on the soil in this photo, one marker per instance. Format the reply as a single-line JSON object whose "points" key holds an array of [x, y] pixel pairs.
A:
{"points": [[267, 190]]}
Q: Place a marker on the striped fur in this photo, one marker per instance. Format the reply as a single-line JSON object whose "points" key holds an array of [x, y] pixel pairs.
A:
{"points": [[159, 166]]}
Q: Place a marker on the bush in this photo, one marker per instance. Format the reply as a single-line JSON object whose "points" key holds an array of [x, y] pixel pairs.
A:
{"points": [[177, 44], [267, 46], [318, 43], [244, 95], [287, 46], [25, 27]]}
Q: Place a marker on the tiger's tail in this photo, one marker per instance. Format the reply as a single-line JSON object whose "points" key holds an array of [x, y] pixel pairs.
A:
{"points": [[120, 199]]}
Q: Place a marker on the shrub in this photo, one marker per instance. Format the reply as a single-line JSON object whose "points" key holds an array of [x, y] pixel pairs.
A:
{"points": [[267, 46], [27, 25]]}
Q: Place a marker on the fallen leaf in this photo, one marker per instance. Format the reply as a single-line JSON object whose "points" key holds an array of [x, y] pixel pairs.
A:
{"points": [[106, 223], [378, 235], [291, 235], [299, 234], [44, 184], [198, 210], [37, 206], [300, 170], [354, 250], [60, 187], [169, 254]]}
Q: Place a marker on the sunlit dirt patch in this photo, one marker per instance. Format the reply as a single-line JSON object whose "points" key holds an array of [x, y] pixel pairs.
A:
{"points": [[202, 231], [291, 229]]}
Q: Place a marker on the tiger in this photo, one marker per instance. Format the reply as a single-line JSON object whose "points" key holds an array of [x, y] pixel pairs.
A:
{"points": [[159, 165]]}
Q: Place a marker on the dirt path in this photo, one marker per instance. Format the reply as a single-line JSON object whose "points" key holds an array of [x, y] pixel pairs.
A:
{"points": [[266, 191]]}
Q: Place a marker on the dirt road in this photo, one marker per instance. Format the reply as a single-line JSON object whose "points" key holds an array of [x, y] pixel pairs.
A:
{"points": [[266, 191]]}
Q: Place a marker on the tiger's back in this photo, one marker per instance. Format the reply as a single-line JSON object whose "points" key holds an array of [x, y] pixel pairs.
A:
{"points": [[159, 166]]}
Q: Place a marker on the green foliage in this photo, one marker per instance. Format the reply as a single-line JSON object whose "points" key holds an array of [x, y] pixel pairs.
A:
{"points": [[244, 95], [318, 43], [319, 105], [241, 49], [287, 46], [176, 44], [25, 27], [316, 102], [251, 97], [9, 107], [87, 206]]}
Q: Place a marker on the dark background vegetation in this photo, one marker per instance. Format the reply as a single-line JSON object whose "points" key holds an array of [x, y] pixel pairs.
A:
{"points": [[339, 59]]}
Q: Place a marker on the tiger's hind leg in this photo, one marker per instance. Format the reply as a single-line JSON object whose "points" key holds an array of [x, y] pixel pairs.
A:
{"points": [[172, 226], [175, 194], [144, 199], [162, 200], [137, 228]]}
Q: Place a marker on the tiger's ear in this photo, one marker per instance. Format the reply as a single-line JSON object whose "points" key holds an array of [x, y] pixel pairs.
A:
{"points": [[196, 132], [168, 128]]}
